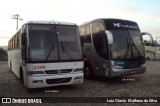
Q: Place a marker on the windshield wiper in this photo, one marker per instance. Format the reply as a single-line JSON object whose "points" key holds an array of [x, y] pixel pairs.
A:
{"points": [[133, 44], [65, 50], [128, 46], [50, 51]]}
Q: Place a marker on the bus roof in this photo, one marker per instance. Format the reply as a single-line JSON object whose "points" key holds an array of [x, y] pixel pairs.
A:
{"points": [[106, 19], [46, 22], [50, 22]]}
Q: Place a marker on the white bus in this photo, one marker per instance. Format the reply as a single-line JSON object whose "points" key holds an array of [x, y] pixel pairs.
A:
{"points": [[112, 48], [46, 53]]}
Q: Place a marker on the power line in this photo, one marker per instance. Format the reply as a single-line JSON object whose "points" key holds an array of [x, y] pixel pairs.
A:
{"points": [[16, 17]]}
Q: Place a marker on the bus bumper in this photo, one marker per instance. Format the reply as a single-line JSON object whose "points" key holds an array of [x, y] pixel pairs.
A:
{"points": [[54, 80], [125, 72]]}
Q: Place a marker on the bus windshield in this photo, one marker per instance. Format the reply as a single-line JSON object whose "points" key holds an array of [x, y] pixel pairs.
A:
{"points": [[127, 45], [52, 43]]}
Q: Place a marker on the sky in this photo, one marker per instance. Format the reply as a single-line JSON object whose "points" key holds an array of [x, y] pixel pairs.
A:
{"points": [[145, 12]]}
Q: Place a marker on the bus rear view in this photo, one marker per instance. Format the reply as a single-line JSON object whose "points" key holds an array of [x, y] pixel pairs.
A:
{"points": [[112, 48], [49, 54]]}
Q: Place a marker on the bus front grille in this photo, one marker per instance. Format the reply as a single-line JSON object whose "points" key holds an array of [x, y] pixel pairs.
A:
{"points": [[58, 71], [58, 80]]}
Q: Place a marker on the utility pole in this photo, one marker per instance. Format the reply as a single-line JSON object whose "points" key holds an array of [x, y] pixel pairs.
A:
{"points": [[16, 17]]}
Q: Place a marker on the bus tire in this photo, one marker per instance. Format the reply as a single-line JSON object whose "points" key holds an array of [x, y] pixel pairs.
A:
{"points": [[21, 76], [88, 72]]}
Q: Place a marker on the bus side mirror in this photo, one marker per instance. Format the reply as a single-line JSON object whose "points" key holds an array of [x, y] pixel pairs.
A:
{"points": [[23, 38], [151, 37], [109, 37]]}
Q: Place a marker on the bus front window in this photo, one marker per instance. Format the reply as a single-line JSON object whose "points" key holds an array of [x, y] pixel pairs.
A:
{"points": [[42, 43], [68, 41], [138, 46], [49, 43], [127, 45], [121, 48]]}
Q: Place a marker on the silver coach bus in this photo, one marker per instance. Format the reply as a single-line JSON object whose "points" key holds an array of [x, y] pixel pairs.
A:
{"points": [[112, 48]]}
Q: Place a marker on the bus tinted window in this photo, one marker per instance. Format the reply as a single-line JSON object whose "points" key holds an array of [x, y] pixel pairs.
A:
{"points": [[100, 40], [84, 30], [67, 41], [42, 43], [85, 34], [138, 48], [121, 48], [53, 43]]}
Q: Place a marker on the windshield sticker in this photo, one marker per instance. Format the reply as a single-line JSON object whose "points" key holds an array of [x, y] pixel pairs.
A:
{"points": [[41, 28], [124, 26]]}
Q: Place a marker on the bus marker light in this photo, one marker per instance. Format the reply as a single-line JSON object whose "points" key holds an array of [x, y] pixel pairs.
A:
{"points": [[143, 65], [78, 70]]}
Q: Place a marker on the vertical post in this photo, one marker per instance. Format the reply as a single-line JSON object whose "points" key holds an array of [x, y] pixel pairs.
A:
{"points": [[16, 16], [17, 24]]}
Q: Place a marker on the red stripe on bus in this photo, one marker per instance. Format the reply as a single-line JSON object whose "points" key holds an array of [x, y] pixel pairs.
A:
{"points": [[91, 62]]}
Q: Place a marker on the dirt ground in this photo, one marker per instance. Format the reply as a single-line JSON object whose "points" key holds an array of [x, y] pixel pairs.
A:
{"points": [[139, 85]]}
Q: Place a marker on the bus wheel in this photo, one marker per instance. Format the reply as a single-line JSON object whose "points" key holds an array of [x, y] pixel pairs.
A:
{"points": [[21, 76], [88, 73]]}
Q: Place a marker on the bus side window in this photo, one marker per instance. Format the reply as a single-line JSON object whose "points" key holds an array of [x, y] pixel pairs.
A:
{"points": [[23, 38], [85, 34], [13, 42], [100, 40], [18, 40]]}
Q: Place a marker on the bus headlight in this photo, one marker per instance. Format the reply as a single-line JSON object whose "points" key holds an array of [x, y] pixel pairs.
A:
{"points": [[78, 70], [143, 65], [117, 67], [35, 73]]}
